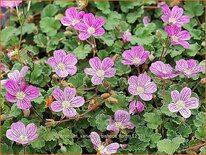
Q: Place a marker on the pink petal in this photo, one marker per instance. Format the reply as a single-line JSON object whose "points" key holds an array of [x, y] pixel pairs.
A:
{"points": [[70, 59], [192, 103], [107, 63], [143, 79], [176, 12], [181, 65], [81, 27], [10, 98], [185, 44], [127, 62], [56, 106], [146, 97], [133, 80], [173, 107], [128, 125], [71, 70], [165, 18], [122, 116], [77, 101], [59, 55], [61, 73], [132, 89], [110, 72], [175, 96], [58, 94], [69, 93], [95, 139], [66, 21], [166, 10], [15, 75], [71, 12], [17, 127], [150, 87], [10, 134], [11, 87], [185, 94], [84, 35], [99, 32], [24, 104], [184, 19], [186, 113], [111, 148], [99, 22], [52, 62], [69, 112], [24, 71], [184, 35], [95, 63], [97, 80], [89, 19], [31, 132], [112, 127], [90, 71], [32, 92]]}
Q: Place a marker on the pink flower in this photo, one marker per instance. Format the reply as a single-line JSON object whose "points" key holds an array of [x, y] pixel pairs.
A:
{"points": [[146, 20], [136, 56], [159, 4], [183, 102], [178, 37], [63, 63], [10, 3], [142, 86], [164, 71], [4, 68], [22, 94], [121, 121], [72, 17], [100, 147], [22, 134], [188, 67], [136, 107], [66, 101], [100, 70], [175, 16], [126, 36], [91, 27]]}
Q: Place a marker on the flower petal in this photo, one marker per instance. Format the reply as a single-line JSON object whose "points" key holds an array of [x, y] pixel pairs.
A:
{"points": [[31, 132], [95, 63], [186, 113], [84, 35], [11, 87], [59, 55], [128, 125], [69, 112], [71, 70], [175, 96], [146, 97], [150, 87], [32, 92], [61, 73], [10, 134], [77, 101], [110, 72], [133, 80], [122, 116], [24, 104], [58, 94], [69, 93], [107, 63], [97, 80], [95, 139], [90, 71], [99, 32], [192, 103], [173, 107], [185, 94], [10, 97], [70, 59], [56, 106], [52, 62], [110, 149], [89, 19]]}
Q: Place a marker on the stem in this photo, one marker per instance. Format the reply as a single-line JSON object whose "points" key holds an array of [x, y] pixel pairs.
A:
{"points": [[193, 147], [84, 89], [163, 98], [38, 114], [164, 49], [196, 86], [94, 46], [24, 148]]}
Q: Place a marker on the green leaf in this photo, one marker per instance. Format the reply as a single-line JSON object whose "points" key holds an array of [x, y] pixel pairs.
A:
{"points": [[74, 149], [5, 149], [102, 122], [194, 48], [49, 26], [112, 20], [15, 111], [104, 6], [170, 146], [125, 6], [153, 119], [121, 69], [82, 51], [7, 33], [40, 40], [38, 143], [36, 73], [133, 16], [66, 136], [28, 28], [193, 9], [49, 11], [78, 80]]}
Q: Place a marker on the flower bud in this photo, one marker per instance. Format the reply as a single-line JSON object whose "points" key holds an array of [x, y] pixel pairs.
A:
{"points": [[112, 100], [151, 57], [82, 4], [159, 34], [136, 107], [123, 146], [63, 149], [105, 95], [126, 36], [26, 112], [203, 81], [114, 58], [58, 17]]}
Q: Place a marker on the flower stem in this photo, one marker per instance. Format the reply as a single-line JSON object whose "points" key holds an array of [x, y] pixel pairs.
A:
{"points": [[196, 86], [164, 49], [194, 147], [38, 114], [24, 149], [163, 102]]}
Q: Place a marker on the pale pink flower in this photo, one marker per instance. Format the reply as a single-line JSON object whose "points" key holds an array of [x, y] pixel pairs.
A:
{"points": [[63, 63], [178, 37], [4, 68], [160, 4], [136, 56], [136, 107], [66, 101], [72, 17], [164, 71], [188, 67], [22, 94], [22, 134], [175, 16], [142, 86], [100, 70], [126, 36], [100, 147], [183, 102], [146, 20], [91, 27], [10, 3], [121, 121]]}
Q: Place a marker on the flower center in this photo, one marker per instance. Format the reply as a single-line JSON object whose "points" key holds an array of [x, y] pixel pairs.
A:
{"points": [[23, 138], [172, 20], [65, 104], [74, 22], [61, 66], [136, 60], [20, 95], [101, 148], [100, 73], [91, 30], [180, 104], [119, 125], [174, 38], [187, 71], [140, 89]]}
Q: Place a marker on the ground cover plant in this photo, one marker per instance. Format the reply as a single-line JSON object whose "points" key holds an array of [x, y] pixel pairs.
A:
{"points": [[81, 77]]}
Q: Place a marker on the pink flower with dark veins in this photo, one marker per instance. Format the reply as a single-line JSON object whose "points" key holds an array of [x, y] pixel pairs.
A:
{"points": [[126, 36], [178, 37], [100, 70], [136, 107], [136, 56], [121, 121], [22, 94], [188, 67], [100, 147], [10, 3], [142, 86], [22, 134], [164, 71], [175, 16], [183, 102], [146, 20], [63, 63], [66, 101], [72, 17], [91, 26]]}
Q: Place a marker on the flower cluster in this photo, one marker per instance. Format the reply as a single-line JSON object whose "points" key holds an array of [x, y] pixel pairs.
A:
{"points": [[175, 20]]}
